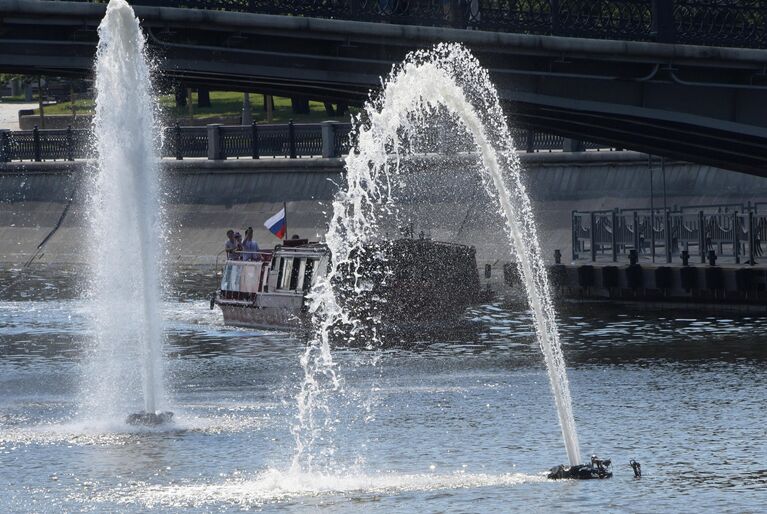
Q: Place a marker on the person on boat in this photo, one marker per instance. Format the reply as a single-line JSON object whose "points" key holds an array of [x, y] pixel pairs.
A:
{"points": [[231, 245], [250, 247], [238, 248]]}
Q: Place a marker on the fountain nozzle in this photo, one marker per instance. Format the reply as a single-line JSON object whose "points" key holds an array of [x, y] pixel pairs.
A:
{"points": [[596, 469], [150, 419]]}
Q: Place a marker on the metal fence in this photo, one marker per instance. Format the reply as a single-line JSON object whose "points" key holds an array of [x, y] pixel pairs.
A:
{"points": [[734, 231], [739, 23], [291, 140]]}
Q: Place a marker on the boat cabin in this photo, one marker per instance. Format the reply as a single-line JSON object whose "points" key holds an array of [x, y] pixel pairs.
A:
{"points": [[288, 270], [433, 280]]}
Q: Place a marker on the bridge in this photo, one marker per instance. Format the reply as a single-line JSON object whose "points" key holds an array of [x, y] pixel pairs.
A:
{"points": [[635, 74]]}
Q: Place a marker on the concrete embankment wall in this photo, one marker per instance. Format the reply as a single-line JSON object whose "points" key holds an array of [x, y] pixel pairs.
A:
{"points": [[204, 198]]}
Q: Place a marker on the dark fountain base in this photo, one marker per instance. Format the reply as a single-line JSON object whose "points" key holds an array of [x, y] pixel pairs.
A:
{"points": [[150, 419], [599, 468]]}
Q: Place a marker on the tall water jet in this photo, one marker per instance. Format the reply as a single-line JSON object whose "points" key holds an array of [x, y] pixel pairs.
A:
{"points": [[447, 84], [125, 371]]}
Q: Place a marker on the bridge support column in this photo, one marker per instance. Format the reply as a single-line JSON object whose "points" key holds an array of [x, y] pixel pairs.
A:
{"points": [[614, 241], [214, 142], [663, 21], [572, 145], [751, 237], [329, 139]]}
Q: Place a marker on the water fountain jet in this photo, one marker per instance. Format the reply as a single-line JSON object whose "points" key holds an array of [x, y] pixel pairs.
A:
{"points": [[126, 219]]}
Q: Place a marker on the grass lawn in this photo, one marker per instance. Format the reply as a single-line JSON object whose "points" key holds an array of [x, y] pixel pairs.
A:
{"points": [[223, 103], [15, 100]]}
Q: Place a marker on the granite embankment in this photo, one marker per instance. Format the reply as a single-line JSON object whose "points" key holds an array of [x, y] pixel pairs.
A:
{"points": [[45, 201]]}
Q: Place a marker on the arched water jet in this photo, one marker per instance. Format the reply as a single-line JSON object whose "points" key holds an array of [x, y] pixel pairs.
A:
{"points": [[448, 78], [124, 371]]}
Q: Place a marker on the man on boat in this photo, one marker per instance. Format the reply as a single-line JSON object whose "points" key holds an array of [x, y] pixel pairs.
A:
{"points": [[250, 247], [231, 246]]}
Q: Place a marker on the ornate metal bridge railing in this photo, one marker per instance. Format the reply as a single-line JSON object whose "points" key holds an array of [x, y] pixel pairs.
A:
{"points": [[732, 231], [738, 23], [291, 140]]}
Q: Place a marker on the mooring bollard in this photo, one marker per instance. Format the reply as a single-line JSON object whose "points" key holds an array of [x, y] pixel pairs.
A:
{"points": [[557, 256], [712, 258], [685, 258], [633, 257]]}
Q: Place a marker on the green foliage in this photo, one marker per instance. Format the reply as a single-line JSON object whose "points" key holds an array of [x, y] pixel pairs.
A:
{"points": [[223, 103]]}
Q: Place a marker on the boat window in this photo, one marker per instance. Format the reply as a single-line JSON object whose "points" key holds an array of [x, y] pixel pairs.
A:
{"points": [[295, 271], [308, 274], [230, 281], [230, 278], [250, 277], [225, 278], [286, 272], [279, 273], [300, 275]]}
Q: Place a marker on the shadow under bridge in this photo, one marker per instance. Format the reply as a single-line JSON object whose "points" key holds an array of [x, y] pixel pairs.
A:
{"points": [[634, 86]]}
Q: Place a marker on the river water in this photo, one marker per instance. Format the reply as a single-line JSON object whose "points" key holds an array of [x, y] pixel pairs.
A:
{"points": [[466, 425]]}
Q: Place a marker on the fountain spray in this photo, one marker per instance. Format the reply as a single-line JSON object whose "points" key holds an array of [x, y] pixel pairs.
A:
{"points": [[449, 83], [126, 220]]}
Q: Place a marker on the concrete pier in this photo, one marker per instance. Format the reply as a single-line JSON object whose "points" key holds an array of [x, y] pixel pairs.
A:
{"points": [[734, 289]]}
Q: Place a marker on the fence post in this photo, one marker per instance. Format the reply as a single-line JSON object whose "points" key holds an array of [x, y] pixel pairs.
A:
{"points": [[593, 235], [36, 143], [615, 236], [329, 139], [702, 237], [572, 145], [254, 139], [574, 235], [5, 145], [663, 21], [636, 233], [214, 142], [668, 236], [177, 145], [736, 236], [292, 139], [652, 234], [70, 144], [530, 143], [751, 237]]}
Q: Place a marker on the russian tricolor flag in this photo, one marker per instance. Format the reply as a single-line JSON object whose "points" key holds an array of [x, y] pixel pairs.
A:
{"points": [[276, 224]]}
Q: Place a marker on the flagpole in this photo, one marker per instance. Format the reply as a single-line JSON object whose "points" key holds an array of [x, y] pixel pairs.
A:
{"points": [[285, 208]]}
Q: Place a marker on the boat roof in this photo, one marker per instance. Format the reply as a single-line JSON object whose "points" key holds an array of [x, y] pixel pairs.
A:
{"points": [[309, 248]]}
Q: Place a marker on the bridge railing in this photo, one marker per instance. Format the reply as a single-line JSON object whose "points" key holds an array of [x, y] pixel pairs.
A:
{"points": [[700, 22], [733, 231], [291, 140]]}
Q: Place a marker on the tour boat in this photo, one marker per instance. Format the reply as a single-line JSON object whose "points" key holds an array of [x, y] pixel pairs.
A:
{"points": [[410, 282]]}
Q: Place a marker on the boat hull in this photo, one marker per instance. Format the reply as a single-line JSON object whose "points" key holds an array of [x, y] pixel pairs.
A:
{"points": [[271, 318]]}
